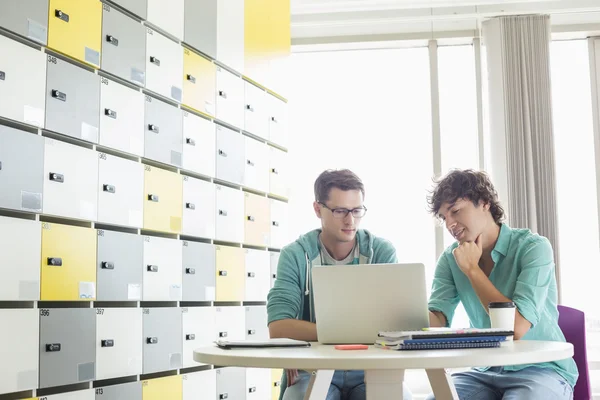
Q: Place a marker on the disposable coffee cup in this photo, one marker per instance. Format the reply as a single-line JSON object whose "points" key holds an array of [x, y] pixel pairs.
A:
{"points": [[502, 316]]}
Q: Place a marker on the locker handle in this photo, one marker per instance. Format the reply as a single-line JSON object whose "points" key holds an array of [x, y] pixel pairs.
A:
{"points": [[276, 383], [57, 94], [222, 153], [250, 163], [190, 141], [110, 113], [108, 343], [223, 273], [57, 177], [52, 347], [55, 261], [249, 107], [152, 268], [223, 213], [153, 128], [190, 206], [61, 15], [222, 94], [222, 334], [108, 265], [2, 75], [0, 165], [251, 274], [250, 218], [251, 331], [190, 271], [275, 223], [109, 188], [274, 276], [275, 171], [274, 119], [191, 78], [155, 61], [151, 340], [112, 40], [252, 389], [223, 396], [190, 336], [153, 197]]}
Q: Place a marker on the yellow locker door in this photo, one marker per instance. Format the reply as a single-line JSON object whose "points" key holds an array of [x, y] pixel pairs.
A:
{"points": [[75, 29], [68, 263], [275, 383], [199, 82], [163, 199], [257, 219], [170, 387], [231, 269], [257, 39]]}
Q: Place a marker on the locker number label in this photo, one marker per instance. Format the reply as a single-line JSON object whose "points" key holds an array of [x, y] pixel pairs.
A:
{"points": [[186, 178], [102, 156], [146, 311], [184, 377], [99, 391], [185, 243], [44, 312], [147, 168], [148, 99], [44, 398], [99, 311], [52, 59], [150, 31], [104, 81], [106, 8], [101, 233], [45, 225], [184, 310], [186, 52]]}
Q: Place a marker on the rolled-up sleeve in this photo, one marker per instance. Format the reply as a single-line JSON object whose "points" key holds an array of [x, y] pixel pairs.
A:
{"points": [[444, 296], [535, 278]]}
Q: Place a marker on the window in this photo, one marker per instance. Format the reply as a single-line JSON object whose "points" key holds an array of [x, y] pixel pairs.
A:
{"points": [[369, 111]]}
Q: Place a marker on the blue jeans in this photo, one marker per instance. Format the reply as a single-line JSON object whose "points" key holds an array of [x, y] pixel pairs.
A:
{"points": [[531, 383], [345, 385]]}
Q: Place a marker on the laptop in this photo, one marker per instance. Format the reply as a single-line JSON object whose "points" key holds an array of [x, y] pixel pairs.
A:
{"points": [[354, 302]]}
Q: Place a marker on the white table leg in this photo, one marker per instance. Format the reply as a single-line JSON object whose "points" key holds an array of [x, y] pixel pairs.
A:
{"points": [[442, 385], [384, 384], [319, 383]]}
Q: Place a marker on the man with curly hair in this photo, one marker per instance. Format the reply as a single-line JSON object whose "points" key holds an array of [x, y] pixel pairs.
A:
{"points": [[492, 262]]}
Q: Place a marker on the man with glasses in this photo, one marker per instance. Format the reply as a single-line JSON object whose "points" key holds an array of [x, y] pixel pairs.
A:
{"points": [[339, 196]]}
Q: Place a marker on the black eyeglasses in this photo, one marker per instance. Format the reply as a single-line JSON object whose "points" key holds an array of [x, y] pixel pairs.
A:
{"points": [[343, 212]]}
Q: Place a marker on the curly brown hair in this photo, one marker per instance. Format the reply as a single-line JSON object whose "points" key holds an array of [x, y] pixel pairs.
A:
{"points": [[468, 184]]}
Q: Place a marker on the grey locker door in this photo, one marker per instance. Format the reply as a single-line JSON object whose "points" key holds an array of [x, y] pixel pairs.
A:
{"points": [[230, 155], [164, 132], [231, 383], [67, 346], [162, 339], [256, 323], [72, 101], [119, 266], [198, 271], [201, 26], [28, 18], [21, 170], [136, 7], [126, 391], [123, 46]]}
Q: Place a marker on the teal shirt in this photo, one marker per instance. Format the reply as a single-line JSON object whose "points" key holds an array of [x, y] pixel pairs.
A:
{"points": [[524, 271]]}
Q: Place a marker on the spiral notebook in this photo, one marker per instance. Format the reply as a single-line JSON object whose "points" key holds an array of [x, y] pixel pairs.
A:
{"points": [[441, 343]]}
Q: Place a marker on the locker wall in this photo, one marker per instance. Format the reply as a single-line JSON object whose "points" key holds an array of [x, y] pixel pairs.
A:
{"points": [[135, 162]]}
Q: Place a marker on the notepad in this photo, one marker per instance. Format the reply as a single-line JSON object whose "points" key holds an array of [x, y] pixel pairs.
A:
{"points": [[441, 345], [258, 344], [445, 333]]}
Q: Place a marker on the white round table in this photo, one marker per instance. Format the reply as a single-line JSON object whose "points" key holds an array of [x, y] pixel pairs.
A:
{"points": [[384, 369]]}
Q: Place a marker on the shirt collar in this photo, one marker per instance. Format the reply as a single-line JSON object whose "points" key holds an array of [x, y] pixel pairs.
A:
{"points": [[503, 241]]}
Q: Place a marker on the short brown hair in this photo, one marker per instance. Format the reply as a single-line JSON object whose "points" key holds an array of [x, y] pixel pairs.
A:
{"points": [[343, 179], [468, 184]]}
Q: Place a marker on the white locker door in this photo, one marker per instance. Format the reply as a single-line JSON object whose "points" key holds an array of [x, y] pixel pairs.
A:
{"points": [[70, 181], [229, 214], [278, 173], [274, 263], [258, 269], [198, 208], [164, 65], [118, 344], [230, 155], [199, 143], [258, 383], [120, 191], [86, 394], [198, 385], [22, 82], [230, 98], [256, 323], [167, 16], [162, 269], [21, 247], [230, 323], [256, 169], [256, 115], [277, 120], [20, 353], [230, 33], [199, 324], [279, 224], [121, 118]]}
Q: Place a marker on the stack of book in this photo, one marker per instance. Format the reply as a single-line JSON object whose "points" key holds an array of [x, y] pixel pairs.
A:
{"points": [[442, 338]]}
